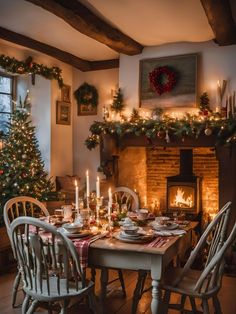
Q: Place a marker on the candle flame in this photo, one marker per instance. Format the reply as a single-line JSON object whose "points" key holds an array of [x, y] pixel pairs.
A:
{"points": [[76, 184], [87, 172], [98, 178]]}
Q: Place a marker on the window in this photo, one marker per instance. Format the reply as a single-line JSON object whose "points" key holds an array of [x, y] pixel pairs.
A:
{"points": [[6, 97]]}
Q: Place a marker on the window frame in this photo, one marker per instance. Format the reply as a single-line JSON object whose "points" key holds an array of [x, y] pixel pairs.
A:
{"points": [[12, 93]]}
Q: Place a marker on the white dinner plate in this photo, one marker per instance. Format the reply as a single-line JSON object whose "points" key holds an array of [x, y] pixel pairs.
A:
{"points": [[159, 227], [81, 234], [141, 239]]}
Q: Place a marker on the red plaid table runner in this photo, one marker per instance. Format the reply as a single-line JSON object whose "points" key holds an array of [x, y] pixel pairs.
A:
{"points": [[82, 245]]}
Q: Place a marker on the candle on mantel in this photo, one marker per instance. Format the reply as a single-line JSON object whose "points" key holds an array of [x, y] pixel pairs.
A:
{"points": [[109, 202], [76, 195], [87, 184], [98, 187]]}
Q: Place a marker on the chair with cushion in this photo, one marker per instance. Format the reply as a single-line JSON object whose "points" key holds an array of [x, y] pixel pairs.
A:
{"points": [[16, 207], [49, 263], [197, 284]]}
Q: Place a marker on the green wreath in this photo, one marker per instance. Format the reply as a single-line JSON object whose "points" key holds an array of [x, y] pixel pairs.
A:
{"points": [[87, 95]]}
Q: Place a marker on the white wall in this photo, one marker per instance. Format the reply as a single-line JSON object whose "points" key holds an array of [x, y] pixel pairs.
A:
{"points": [[104, 81], [55, 141], [215, 63]]}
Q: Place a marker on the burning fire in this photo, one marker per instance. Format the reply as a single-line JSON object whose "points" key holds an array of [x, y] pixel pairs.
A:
{"points": [[180, 201]]}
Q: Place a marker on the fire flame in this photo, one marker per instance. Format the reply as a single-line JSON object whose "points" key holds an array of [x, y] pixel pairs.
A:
{"points": [[181, 201]]}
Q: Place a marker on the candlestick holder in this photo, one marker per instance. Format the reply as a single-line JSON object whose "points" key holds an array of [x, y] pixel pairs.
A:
{"points": [[87, 202], [98, 206]]}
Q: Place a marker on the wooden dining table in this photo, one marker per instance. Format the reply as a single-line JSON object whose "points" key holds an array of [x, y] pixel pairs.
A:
{"points": [[112, 253]]}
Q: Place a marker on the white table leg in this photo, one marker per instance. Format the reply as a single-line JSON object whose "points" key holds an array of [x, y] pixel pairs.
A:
{"points": [[156, 271], [156, 297]]}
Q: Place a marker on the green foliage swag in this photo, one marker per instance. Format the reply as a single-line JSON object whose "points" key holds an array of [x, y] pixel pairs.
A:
{"points": [[21, 166], [166, 128], [15, 66]]}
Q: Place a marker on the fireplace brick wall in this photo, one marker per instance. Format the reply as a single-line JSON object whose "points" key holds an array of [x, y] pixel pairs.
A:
{"points": [[146, 169]]}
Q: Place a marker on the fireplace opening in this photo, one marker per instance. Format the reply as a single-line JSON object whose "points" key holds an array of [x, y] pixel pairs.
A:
{"points": [[183, 190]]}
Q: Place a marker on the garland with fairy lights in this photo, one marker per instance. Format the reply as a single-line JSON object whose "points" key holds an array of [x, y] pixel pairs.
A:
{"points": [[162, 79], [167, 128], [15, 66]]}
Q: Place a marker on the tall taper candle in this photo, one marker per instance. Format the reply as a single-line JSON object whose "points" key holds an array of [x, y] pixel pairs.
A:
{"points": [[87, 184], [76, 195], [109, 202], [98, 187]]}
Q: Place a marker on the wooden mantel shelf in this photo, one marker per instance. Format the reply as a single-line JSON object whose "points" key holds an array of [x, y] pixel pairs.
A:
{"points": [[142, 141]]}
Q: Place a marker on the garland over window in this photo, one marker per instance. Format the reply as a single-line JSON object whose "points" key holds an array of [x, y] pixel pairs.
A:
{"points": [[15, 66], [87, 95], [162, 79]]}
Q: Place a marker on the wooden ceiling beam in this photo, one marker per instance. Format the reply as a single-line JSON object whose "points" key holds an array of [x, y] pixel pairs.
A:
{"points": [[87, 23], [221, 20], [82, 65]]}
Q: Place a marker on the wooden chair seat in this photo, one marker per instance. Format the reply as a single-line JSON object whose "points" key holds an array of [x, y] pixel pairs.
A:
{"points": [[53, 275], [191, 283], [187, 285], [14, 208], [53, 284]]}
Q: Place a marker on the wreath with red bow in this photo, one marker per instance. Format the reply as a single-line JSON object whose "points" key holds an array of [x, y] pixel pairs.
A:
{"points": [[162, 79]]}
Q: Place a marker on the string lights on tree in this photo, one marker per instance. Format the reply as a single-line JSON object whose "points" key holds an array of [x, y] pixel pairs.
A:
{"points": [[21, 165]]}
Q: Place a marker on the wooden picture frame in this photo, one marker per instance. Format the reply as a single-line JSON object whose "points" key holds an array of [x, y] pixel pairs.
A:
{"points": [[86, 110], [63, 113], [65, 93], [184, 92]]}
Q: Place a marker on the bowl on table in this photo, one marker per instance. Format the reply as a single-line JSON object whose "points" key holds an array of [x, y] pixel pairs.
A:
{"points": [[143, 214], [162, 220], [73, 227], [130, 229]]}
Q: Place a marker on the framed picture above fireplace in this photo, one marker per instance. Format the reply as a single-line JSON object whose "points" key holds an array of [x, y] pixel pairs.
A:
{"points": [[168, 82]]}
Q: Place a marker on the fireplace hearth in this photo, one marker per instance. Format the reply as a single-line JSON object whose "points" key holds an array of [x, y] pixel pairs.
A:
{"points": [[183, 190]]}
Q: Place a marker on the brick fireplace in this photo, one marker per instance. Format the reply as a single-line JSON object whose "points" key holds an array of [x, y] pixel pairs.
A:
{"points": [[145, 166], [147, 170]]}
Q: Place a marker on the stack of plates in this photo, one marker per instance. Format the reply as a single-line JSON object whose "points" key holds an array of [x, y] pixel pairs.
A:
{"points": [[159, 227], [83, 233], [138, 237]]}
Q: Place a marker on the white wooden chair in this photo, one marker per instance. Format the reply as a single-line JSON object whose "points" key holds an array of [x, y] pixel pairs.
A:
{"points": [[125, 196], [204, 284], [194, 283], [50, 267], [16, 207]]}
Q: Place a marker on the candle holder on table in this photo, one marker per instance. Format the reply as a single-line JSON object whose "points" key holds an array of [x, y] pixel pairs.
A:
{"points": [[98, 206]]}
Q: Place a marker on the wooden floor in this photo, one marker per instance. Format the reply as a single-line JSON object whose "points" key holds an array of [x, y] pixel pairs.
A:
{"points": [[115, 303]]}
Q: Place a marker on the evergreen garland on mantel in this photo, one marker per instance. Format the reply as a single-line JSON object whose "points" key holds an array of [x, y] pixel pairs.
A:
{"points": [[15, 66], [189, 126]]}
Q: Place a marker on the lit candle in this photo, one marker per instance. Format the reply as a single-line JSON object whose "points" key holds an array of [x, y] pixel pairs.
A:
{"points": [[87, 184], [98, 187], [145, 201], [76, 195], [109, 202]]}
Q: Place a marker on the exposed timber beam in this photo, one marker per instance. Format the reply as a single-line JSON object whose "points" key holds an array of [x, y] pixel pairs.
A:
{"points": [[221, 20], [86, 22], [82, 65]]}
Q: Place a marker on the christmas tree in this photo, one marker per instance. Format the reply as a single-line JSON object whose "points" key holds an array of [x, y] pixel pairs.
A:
{"points": [[118, 102], [21, 166]]}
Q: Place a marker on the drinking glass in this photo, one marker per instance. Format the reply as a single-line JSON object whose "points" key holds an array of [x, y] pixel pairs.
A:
{"points": [[67, 209]]}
